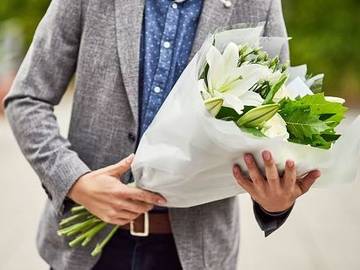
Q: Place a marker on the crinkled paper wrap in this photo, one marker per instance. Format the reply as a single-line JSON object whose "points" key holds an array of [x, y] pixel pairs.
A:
{"points": [[187, 155]]}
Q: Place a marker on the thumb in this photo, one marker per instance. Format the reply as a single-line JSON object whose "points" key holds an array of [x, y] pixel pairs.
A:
{"points": [[306, 183], [121, 167]]}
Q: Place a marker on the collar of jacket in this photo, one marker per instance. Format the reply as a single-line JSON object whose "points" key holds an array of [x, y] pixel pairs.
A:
{"points": [[129, 16]]}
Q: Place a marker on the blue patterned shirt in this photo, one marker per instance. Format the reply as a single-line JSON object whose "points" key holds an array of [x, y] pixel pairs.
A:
{"points": [[167, 37]]}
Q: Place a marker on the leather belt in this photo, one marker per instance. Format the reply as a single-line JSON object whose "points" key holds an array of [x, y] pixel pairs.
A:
{"points": [[150, 223]]}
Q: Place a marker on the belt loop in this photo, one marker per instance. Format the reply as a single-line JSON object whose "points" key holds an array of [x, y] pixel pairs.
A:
{"points": [[145, 232]]}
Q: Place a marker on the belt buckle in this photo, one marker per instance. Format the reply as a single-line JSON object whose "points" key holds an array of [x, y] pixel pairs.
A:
{"points": [[144, 233]]}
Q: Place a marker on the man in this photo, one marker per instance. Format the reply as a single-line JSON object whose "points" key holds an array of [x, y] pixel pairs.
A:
{"points": [[127, 54]]}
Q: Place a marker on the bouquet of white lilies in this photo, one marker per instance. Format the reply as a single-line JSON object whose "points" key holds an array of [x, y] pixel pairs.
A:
{"points": [[248, 87], [235, 97]]}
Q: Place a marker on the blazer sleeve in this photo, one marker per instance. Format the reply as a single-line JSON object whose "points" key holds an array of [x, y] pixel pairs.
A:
{"points": [[270, 222], [39, 85], [274, 27]]}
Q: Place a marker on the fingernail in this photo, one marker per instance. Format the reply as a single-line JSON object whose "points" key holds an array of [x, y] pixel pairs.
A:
{"points": [[290, 164], [317, 174], [248, 158], [161, 201], [236, 170], [266, 155]]}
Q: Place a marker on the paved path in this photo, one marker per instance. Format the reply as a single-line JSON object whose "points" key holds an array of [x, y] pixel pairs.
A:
{"points": [[322, 233]]}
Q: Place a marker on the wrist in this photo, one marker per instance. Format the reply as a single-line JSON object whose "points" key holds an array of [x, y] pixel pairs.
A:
{"points": [[277, 210], [77, 187]]}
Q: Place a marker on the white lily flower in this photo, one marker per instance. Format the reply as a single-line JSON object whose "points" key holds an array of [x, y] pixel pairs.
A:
{"points": [[231, 101], [232, 83], [276, 127]]}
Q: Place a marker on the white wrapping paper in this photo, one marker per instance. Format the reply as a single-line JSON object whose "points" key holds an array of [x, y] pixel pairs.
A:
{"points": [[187, 155]]}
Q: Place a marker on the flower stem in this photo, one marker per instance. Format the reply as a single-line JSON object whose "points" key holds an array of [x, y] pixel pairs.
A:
{"points": [[101, 245], [77, 209], [77, 227], [72, 218], [91, 233]]}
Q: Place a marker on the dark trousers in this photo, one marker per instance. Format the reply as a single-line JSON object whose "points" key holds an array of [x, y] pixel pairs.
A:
{"points": [[127, 252]]}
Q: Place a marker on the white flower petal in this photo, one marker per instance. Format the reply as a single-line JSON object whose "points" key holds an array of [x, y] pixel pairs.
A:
{"points": [[255, 70], [276, 127], [335, 99], [251, 98], [242, 86], [231, 58], [216, 67], [234, 102]]}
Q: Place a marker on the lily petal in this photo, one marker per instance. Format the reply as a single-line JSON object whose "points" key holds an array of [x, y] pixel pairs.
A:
{"points": [[251, 98], [231, 58], [234, 102], [276, 127], [215, 74], [335, 99]]}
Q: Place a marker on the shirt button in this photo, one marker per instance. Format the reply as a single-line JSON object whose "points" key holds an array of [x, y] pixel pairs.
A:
{"points": [[174, 6], [157, 89], [167, 44]]}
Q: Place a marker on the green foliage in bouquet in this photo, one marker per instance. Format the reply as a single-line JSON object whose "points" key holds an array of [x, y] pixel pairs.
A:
{"points": [[312, 120], [309, 120]]}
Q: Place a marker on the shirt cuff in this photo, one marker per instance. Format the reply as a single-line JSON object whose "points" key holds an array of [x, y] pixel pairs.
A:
{"points": [[276, 214]]}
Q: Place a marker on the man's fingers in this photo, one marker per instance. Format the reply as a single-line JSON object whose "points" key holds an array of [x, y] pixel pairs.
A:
{"points": [[306, 182], [119, 168], [245, 183], [290, 174], [141, 195], [133, 206], [253, 169], [271, 171], [118, 221], [124, 214]]}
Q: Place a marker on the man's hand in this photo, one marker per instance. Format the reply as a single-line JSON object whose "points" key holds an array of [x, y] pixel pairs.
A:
{"points": [[106, 197], [273, 192]]}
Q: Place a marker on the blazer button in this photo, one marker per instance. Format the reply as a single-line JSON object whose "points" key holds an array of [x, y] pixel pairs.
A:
{"points": [[131, 137]]}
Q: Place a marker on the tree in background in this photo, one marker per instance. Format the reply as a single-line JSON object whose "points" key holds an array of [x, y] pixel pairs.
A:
{"points": [[326, 36], [26, 13]]}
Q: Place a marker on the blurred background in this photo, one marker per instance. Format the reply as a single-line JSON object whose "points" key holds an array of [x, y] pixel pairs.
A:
{"points": [[324, 229]]}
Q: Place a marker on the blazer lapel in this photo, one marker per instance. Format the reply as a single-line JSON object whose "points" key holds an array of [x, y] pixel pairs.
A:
{"points": [[128, 17], [214, 14]]}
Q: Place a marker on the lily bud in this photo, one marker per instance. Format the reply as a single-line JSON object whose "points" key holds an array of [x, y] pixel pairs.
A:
{"points": [[258, 116], [213, 105]]}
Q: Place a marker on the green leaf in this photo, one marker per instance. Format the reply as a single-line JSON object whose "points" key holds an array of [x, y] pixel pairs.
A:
{"points": [[274, 89], [302, 124], [312, 120], [332, 113], [227, 114]]}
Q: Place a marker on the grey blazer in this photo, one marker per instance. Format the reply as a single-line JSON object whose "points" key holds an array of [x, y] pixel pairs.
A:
{"points": [[98, 41]]}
